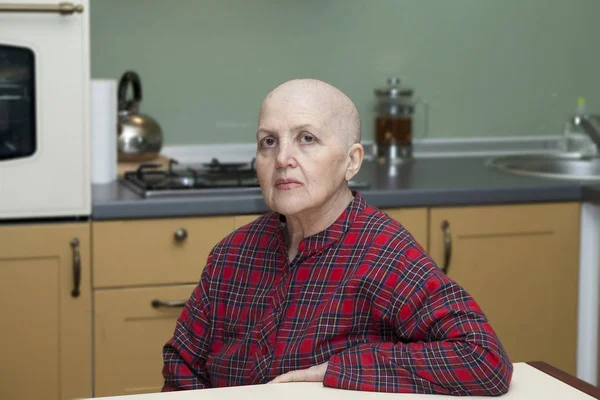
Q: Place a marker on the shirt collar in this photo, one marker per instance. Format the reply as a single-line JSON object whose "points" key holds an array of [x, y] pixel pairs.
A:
{"points": [[330, 235]]}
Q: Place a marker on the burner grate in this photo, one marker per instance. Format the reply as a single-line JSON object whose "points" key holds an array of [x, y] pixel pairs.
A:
{"points": [[151, 181]]}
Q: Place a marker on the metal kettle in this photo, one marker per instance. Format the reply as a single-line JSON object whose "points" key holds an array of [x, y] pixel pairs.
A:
{"points": [[139, 136]]}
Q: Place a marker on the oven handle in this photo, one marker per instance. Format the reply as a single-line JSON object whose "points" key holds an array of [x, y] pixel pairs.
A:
{"points": [[60, 8]]}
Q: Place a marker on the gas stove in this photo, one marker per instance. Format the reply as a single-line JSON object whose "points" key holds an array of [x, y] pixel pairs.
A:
{"points": [[213, 178], [152, 180]]}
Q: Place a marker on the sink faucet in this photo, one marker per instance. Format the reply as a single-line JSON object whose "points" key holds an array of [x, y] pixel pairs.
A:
{"points": [[590, 125]]}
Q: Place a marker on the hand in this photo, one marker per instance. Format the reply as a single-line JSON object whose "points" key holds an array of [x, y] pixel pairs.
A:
{"points": [[312, 374]]}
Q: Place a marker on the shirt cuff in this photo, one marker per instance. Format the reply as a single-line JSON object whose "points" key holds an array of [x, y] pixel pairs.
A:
{"points": [[332, 375]]}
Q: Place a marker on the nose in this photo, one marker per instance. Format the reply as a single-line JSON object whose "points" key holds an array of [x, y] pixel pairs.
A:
{"points": [[286, 156]]}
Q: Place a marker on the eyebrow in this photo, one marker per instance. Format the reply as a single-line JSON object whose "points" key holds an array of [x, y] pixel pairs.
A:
{"points": [[295, 129], [266, 131]]}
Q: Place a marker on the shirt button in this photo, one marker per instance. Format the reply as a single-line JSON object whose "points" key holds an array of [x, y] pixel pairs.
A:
{"points": [[264, 350]]}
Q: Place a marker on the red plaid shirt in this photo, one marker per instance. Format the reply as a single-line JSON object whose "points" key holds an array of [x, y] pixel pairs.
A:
{"points": [[361, 294]]}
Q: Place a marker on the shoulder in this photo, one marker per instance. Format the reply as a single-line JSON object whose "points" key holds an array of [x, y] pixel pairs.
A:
{"points": [[385, 230], [392, 248], [255, 233]]}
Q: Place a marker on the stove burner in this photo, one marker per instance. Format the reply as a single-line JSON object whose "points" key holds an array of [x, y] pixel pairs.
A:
{"points": [[214, 177]]}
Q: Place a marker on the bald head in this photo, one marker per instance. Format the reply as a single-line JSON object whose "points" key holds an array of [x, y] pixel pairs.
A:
{"points": [[339, 112]]}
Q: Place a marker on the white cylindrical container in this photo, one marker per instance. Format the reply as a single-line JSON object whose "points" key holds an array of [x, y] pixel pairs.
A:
{"points": [[104, 130]]}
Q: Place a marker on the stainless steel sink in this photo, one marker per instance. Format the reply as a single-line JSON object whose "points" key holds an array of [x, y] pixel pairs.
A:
{"points": [[549, 166]]}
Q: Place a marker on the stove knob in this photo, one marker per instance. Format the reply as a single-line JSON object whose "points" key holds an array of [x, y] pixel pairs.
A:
{"points": [[180, 235]]}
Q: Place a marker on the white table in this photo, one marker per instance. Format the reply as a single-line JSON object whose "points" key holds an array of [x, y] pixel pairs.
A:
{"points": [[527, 383]]}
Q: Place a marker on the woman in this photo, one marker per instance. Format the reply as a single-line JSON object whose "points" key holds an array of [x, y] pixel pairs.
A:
{"points": [[326, 288]]}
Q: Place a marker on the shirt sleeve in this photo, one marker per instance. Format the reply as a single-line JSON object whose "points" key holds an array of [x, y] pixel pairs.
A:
{"points": [[185, 353], [445, 346]]}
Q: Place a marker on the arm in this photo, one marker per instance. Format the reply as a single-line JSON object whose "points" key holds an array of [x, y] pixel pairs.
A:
{"points": [[185, 353], [446, 347]]}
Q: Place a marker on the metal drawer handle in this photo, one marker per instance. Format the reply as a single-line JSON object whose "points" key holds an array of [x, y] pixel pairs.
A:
{"points": [[76, 267], [167, 304], [60, 8], [180, 235], [447, 245]]}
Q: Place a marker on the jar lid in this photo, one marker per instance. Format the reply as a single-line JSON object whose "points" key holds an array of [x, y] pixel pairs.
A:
{"points": [[393, 90]]}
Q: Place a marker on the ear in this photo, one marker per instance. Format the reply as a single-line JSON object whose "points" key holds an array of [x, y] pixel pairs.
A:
{"points": [[355, 159]]}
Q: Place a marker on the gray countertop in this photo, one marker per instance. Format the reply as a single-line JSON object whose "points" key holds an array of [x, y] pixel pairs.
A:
{"points": [[421, 183]]}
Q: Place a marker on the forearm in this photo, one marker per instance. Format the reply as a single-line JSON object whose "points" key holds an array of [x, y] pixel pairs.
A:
{"points": [[444, 345], [442, 367]]}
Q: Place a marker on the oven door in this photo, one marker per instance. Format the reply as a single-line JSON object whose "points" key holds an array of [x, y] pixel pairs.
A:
{"points": [[44, 117]]}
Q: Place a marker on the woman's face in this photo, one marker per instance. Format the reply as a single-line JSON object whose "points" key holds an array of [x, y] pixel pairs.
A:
{"points": [[301, 162]]}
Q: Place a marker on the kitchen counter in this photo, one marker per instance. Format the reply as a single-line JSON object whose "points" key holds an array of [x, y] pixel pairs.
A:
{"points": [[424, 182]]}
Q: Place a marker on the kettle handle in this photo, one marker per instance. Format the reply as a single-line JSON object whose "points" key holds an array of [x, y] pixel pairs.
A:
{"points": [[130, 77]]}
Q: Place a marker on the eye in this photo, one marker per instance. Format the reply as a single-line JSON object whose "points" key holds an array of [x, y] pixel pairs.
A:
{"points": [[306, 137], [267, 142]]}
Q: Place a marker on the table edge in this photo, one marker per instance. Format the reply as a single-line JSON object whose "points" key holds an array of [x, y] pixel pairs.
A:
{"points": [[566, 378]]}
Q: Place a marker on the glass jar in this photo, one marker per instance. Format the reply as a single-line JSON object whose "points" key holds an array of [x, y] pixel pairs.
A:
{"points": [[394, 121]]}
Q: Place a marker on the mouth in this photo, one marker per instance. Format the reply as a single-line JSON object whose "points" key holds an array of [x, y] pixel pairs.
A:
{"points": [[287, 184]]}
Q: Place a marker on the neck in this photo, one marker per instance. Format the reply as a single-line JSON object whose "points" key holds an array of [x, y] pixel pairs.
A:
{"points": [[310, 222]]}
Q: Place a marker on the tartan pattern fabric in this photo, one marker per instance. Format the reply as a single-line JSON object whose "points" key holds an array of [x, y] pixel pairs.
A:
{"points": [[362, 295]]}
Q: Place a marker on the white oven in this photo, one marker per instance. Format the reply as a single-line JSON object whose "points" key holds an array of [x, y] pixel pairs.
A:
{"points": [[44, 109]]}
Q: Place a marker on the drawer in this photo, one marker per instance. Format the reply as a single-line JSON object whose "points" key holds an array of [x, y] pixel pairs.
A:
{"points": [[165, 251], [129, 334]]}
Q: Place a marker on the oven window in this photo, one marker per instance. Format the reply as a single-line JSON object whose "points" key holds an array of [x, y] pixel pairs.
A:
{"points": [[17, 103]]}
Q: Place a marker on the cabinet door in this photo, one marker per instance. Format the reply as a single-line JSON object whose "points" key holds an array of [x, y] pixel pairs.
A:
{"points": [[129, 334], [520, 263], [46, 333], [414, 220], [161, 251]]}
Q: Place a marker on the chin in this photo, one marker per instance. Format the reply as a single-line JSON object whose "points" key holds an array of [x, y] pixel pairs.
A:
{"points": [[289, 204]]}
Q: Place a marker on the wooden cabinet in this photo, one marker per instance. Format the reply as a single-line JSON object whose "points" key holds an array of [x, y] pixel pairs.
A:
{"points": [[414, 221], [46, 332], [131, 327], [151, 252], [520, 263], [144, 271]]}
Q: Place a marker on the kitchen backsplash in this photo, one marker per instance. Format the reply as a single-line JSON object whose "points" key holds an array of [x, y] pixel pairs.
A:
{"points": [[487, 68]]}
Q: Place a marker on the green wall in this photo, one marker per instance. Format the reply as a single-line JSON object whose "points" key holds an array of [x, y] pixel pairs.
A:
{"points": [[487, 67]]}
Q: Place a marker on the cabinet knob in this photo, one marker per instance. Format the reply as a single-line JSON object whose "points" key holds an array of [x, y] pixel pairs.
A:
{"points": [[180, 235]]}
